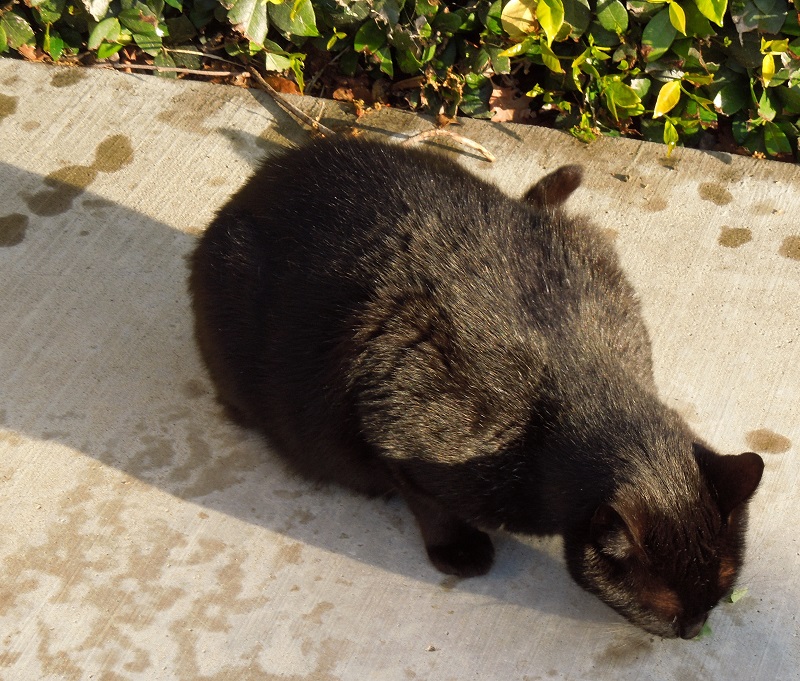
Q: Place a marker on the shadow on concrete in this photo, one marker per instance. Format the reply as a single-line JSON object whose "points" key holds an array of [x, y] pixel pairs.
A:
{"points": [[98, 355]]}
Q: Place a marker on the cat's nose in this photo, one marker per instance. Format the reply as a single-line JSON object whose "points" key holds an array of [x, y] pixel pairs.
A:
{"points": [[691, 628]]}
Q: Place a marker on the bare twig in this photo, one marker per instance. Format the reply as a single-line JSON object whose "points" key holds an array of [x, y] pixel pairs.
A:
{"points": [[168, 69], [290, 108], [466, 141], [197, 53], [310, 84]]}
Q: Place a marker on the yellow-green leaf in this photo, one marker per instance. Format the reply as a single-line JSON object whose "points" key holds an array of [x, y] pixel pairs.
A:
{"points": [[767, 69], [668, 98], [550, 14], [514, 50], [712, 9], [677, 17], [550, 60], [518, 18]]}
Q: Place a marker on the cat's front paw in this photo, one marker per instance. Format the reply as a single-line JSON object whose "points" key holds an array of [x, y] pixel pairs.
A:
{"points": [[468, 554]]}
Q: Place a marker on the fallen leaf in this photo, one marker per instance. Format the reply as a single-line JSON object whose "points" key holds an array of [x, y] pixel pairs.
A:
{"points": [[509, 105]]}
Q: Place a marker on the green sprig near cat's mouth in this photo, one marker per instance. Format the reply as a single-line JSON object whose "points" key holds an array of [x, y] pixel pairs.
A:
{"points": [[733, 597]]}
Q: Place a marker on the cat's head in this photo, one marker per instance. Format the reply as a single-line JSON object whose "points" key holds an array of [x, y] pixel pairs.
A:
{"points": [[662, 560]]}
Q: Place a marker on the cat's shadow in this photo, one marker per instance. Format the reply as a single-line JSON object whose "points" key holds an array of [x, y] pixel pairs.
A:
{"points": [[119, 379]]}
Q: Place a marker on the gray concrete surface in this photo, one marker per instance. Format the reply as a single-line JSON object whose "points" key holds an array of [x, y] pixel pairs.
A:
{"points": [[144, 537]]}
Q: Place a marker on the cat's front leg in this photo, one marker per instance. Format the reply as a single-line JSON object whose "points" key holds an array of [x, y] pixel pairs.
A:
{"points": [[453, 546]]}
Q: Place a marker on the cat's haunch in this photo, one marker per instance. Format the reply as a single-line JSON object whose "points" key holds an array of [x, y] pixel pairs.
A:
{"points": [[390, 322]]}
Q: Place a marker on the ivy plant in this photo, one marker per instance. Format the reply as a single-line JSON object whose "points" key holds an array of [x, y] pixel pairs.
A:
{"points": [[664, 70]]}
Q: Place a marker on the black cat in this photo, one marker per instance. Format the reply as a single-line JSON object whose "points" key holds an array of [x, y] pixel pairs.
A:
{"points": [[390, 322]]}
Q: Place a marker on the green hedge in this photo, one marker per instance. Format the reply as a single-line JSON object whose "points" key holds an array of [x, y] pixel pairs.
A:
{"points": [[666, 70]]}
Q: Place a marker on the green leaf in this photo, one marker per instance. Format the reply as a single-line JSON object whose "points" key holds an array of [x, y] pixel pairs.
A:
{"points": [[297, 20], [621, 99], [518, 18], [50, 11], [612, 16], [107, 50], [107, 30], [181, 30], [697, 25], [577, 15], [52, 43], [766, 106], [705, 632], [670, 136], [494, 21], [249, 17], [677, 17], [18, 31], [149, 42], [776, 143], [177, 4], [731, 98], [141, 22], [165, 59], [276, 62], [550, 14], [519, 48], [97, 8], [789, 96], [550, 60], [713, 10], [3, 40], [737, 594], [657, 36], [369, 38], [668, 97]]}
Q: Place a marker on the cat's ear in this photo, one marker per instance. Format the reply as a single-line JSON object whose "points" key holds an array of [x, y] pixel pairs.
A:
{"points": [[553, 189], [618, 534], [733, 479]]}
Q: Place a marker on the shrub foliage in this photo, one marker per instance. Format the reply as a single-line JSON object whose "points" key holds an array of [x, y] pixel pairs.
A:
{"points": [[663, 69]]}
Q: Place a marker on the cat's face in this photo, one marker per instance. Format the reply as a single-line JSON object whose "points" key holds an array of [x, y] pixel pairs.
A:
{"points": [[665, 568]]}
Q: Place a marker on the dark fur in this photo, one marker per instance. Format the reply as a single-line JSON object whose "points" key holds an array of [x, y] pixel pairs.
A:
{"points": [[390, 322]]}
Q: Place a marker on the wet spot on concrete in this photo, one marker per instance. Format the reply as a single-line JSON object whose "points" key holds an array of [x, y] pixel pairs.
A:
{"points": [[67, 77], [64, 186], [610, 233], [714, 192], [763, 208], [12, 229], [67, 183], [315, 616], [28, 126], [622, 177], [113, 153], [790, 248], [767, 442], [189, 111], [83, 232], [194, 389], [449, 582], [655, 205], [626, 651], [217, 181], [733, 237], [8, 105], [289, 554]]}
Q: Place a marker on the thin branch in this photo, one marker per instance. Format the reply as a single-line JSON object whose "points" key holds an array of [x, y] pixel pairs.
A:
{"points": [[197, 53], [168, 69], [290, 108], [466, 141]]}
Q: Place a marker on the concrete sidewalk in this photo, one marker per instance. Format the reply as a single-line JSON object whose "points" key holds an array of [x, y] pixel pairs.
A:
{"points": [[142, 536]]}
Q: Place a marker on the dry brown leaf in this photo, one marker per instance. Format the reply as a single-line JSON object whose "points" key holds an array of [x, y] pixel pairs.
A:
{"points": [[509, 105]]}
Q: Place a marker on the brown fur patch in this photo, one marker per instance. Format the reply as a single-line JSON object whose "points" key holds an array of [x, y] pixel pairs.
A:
{"points": [[663, 601], [727, 572]]}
